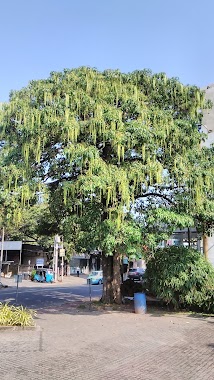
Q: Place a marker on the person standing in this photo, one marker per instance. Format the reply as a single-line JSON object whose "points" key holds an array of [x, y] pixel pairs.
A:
{"points": [[78, 271]]}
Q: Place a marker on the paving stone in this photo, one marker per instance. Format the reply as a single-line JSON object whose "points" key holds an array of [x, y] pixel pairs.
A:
{"points": [[110, 345]]}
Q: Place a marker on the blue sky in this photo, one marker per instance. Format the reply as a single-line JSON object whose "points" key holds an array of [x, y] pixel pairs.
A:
{"points": [[171, 36]]}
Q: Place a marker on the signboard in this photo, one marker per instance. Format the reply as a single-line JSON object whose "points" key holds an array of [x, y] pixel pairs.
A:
{"points": [[18, 278], [61, 252], [40, 262]]}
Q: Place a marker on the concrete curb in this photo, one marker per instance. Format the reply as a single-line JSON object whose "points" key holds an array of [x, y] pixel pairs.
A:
{"points": [[18, 328]]}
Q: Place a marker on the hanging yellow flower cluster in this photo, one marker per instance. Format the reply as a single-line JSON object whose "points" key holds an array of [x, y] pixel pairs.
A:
{"points": [[105, 134]]}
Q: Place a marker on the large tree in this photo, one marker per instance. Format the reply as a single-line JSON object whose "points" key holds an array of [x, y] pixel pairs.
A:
{"points": [[105, 138]]}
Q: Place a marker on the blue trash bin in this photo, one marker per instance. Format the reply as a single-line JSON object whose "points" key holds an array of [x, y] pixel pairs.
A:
{"points": [[140, 303], [49, 277]]}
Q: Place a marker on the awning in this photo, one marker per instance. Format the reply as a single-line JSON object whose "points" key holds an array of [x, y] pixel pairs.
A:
{"points": [[11, 245]]}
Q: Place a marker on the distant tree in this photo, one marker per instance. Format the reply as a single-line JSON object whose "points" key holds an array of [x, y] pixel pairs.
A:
{"points": [[105, 138], [203, 214]]}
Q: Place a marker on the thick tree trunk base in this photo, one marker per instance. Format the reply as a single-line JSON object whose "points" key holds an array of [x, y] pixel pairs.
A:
{"points": [[111, 279], [107, 266]]}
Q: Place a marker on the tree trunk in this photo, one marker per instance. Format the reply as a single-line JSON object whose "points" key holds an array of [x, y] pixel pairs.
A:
{"points": [[107, 266], [110, 264], [205, 246], [116, 283], [111, 279]]}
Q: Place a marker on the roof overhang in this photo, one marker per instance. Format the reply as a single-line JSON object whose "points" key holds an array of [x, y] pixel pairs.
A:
{"points": [[11, 245]]}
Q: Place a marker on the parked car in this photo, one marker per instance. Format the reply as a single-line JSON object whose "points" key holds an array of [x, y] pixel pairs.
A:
{"points": [[136, 273], [95, 277]]}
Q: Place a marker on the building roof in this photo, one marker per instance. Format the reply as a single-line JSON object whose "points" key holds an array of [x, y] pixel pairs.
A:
{"points": [[11, 245]]}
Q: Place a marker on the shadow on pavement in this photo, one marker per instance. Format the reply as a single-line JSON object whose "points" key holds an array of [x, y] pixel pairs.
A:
{"points": [[73, 297], [211, 345]]}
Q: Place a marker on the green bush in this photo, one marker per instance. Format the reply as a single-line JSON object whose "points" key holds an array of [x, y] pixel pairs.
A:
{"points": [[182, 278], [32, 274], [15, 316]]}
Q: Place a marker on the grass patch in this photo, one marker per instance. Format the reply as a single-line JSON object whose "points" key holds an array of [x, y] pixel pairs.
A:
{"points": [[97, 303], [202, 315], [11, 315], [82, 306]]}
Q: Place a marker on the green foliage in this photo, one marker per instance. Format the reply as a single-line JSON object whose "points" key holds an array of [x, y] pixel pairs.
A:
{"points": [[103, 135], [158, 222], [182, 278], [15, 316], [106, 139], [169, 218], [125, 239], [36, 224], [32, 275], [204, 213], [90, 232]]}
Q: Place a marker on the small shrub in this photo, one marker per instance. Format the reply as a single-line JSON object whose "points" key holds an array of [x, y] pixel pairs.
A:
{"points": [[182, 278], [16, 315], [32, 274]]}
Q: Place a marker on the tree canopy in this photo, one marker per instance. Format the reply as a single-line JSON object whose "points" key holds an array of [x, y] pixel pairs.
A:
{"points": [[105, 138]]}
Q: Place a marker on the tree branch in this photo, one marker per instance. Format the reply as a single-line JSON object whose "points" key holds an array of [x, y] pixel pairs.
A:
{"points": [[156, 195]]}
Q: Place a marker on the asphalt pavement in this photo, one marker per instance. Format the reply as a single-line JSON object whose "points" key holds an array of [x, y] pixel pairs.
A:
{"points": [[41, 295]]}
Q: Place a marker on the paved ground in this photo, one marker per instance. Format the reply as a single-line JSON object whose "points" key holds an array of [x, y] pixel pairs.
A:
{"points": [[37, 295], [75, 344]]}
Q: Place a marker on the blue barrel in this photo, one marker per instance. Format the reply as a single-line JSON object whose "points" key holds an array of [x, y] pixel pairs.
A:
{"points": [[49, 277], [140, 303]]}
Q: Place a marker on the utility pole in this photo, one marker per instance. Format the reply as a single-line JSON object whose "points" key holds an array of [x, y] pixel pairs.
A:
{"points": [[62, 255], [189, 237], [56, 255], [2, 251], [62, 274]]}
